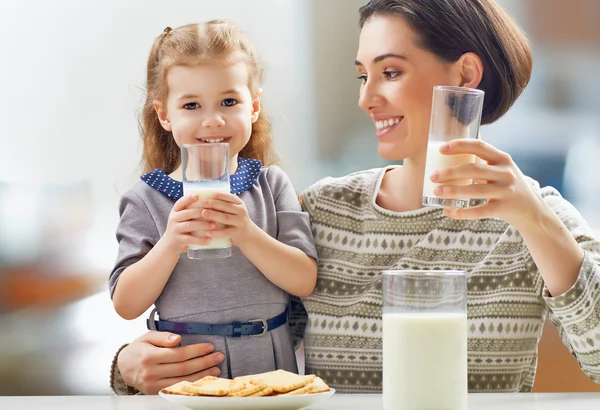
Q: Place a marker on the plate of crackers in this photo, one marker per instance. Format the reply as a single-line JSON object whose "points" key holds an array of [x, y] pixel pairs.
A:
{"points": [[279, 389]]}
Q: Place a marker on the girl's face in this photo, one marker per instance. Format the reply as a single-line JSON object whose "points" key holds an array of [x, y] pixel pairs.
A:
{"points": [[398, 80], [210, 103]]}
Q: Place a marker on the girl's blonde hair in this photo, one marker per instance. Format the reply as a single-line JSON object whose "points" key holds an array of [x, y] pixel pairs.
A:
{"points": [[210, 42]]}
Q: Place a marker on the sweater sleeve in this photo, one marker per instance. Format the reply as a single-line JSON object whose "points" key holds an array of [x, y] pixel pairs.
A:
{"points": [[576, 313]]}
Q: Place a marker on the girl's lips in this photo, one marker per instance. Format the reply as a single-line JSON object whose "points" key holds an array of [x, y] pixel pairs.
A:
{"points": [[213, 140]]}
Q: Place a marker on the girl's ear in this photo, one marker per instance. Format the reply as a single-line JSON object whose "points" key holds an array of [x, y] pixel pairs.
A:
{"points": [[256, 106], [163, 117]]}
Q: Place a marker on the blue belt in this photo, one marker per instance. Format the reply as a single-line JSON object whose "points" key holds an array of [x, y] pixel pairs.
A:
{"points": [[257, 327]]}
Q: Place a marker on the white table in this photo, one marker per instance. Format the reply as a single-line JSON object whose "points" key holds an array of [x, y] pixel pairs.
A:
{"points": [[523, 401]]}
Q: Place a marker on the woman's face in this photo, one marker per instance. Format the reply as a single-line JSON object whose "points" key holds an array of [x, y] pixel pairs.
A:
{"points": [[397, 85]]}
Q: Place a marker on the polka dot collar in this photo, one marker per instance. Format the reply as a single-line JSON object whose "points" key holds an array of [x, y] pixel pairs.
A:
{"points": [[243, 179]]}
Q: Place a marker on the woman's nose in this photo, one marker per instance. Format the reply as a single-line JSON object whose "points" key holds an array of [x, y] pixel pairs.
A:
{"points": [[369, 97]]}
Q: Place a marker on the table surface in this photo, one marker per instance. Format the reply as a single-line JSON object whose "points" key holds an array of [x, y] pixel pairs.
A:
{"points": [[517, 401]]}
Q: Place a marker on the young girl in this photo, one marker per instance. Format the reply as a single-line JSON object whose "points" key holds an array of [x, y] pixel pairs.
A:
{"points": [[203, 86]]}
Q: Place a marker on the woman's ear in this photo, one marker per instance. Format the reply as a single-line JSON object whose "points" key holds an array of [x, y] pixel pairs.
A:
{"points": [[161, 111], [471, 70], [256, 105]]}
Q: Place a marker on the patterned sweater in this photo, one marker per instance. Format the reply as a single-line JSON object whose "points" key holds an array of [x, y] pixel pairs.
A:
{"points": [[507, 300]]}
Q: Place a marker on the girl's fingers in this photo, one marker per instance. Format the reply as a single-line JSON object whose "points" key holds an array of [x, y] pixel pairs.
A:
{"points": [[184, 202], [221, 206], [188, 214], [191, 226]]}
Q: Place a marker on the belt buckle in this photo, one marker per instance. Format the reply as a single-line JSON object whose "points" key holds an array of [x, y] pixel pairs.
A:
{"points": [[265, 326]]}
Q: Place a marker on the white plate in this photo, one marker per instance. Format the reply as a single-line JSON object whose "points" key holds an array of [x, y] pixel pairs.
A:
{"points": [[247, 403]]}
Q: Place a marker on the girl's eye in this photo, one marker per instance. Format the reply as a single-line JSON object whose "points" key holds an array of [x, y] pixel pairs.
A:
{"points": [[191, 106], [392, 74], [363, 78], [229, 102]]}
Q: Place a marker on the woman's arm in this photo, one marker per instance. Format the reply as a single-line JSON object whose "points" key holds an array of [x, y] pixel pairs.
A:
{"points": [[560, 246], [553, 249], [154, 361]]}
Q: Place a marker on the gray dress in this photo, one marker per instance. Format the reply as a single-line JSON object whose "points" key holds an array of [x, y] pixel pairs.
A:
{"points": [[222, 290]]}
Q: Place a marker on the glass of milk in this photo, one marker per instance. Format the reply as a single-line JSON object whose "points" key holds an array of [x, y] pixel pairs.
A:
{"points": [[205, 172], [424, 340], [455, 114]]}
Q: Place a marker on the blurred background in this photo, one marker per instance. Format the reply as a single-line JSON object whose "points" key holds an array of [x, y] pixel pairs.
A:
{"points": [[72, 77]]}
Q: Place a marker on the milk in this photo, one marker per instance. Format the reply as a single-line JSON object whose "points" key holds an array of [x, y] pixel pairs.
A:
{"points": [[425, 361], [437, 161], [206, 191]]}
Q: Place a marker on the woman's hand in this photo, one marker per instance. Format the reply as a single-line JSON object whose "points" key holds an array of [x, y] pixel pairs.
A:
{"points": [[153, 362], [183, 221], [231, 215], [509, 196]]}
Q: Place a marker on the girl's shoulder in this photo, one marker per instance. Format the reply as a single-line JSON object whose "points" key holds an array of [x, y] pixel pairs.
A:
{"points": [[142, 199], [275, 177]]}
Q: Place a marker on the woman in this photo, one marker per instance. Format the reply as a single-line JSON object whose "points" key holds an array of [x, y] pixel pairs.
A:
{"points": [[528, 252]]}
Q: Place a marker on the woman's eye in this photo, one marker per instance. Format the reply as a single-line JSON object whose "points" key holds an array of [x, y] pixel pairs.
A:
{"points": [[391, 74], [191, 106], [363, 78], [229, 102]]}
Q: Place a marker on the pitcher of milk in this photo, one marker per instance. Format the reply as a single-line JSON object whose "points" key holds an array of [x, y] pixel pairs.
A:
{"points": [[424, 340]]}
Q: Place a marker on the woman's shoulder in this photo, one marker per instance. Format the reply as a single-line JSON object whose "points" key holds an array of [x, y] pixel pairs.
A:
{"points": [[358, 183], [353, 188]]}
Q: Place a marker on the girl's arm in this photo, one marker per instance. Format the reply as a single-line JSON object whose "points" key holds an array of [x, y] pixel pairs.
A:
{"points": [[287, 267], [287, 260], [138, 286]]}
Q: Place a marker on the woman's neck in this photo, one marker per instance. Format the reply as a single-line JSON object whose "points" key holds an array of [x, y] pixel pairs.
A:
{"points": [[402, 187]]}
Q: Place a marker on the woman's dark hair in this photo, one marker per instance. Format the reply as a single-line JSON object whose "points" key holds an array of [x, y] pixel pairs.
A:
{"points": [[451, 28]]}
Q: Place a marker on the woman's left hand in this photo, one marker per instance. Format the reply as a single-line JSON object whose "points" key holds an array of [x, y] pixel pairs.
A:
{"points": [[231, 212], [509, 196]]}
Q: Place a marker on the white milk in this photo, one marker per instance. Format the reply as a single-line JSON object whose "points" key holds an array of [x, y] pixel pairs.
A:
{"points": [[207, 192], [437, 161], [425, 361]]}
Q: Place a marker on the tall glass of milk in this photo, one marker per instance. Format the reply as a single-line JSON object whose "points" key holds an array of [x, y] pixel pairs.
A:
{"points": [[205, 172], [455, 114], [424, 340]]}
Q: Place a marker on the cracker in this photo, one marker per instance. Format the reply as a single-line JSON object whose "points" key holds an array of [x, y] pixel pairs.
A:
{"points": [[247, 378], [205, 380], [309, 378], [218, 387], [316, 386], [249, 390], [267, 391], [177, 388], [281, 381]]}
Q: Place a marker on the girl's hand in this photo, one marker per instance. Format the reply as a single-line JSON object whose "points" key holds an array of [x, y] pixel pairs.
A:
{"points": [[509, 196], [183, 220], [231, 216]]}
